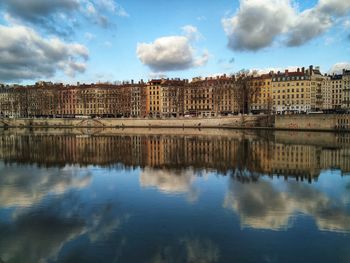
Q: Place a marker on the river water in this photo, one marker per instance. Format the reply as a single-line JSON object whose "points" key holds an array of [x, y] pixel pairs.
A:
{"points": [[174, 196]]}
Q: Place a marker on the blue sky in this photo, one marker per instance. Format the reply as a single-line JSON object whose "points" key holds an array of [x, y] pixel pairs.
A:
{"points": [[107, 40]]}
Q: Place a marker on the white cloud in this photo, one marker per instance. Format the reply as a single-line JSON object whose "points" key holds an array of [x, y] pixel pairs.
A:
{"points": [[42, 13], [98, 11], [257, 24], [346, 24], [108, 44], [89, 36], [172, 52], [338, 67], [120, 11], [260, 71], [60, 16], [90, 9], [192, 33], [26, 55], [201, 18], [113, 6]]}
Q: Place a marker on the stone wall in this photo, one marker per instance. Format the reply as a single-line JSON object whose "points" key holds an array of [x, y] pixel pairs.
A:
{"points": [[313, 122], [219, 122]]}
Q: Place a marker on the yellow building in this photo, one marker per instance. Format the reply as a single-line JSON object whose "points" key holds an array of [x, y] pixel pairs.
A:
{"points": [[261, 93], [153, 98]]}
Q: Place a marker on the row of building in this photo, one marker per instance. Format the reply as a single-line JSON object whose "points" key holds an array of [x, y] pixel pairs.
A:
{"points": [[301, 91]]}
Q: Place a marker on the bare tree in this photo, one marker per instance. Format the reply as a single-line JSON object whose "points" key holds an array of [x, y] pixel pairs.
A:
{"points": [[245, 92]]}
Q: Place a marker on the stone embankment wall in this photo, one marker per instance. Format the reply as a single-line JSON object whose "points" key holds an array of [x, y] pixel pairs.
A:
{"points": [[309, 122], [336, 122], [219, 122]]}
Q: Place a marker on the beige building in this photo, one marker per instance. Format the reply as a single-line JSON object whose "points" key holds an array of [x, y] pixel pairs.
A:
{"points": [[318, 88], [172, 96], [346, 90], [291, 92], [6, 101], [211, 97], [336, 86], [300, 91]]}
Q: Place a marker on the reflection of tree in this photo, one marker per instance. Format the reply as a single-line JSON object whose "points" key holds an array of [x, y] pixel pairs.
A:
{"points": [[248, 163]]}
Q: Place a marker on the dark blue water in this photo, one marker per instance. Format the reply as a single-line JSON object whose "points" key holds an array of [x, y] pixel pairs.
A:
{"points": [[201, 197]]}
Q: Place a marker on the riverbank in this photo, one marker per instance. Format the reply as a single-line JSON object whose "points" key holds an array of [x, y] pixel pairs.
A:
{"points": [[309, 122], [238, 121]]}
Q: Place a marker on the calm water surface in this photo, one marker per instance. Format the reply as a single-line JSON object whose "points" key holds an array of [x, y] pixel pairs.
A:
{"points": [[198, 196]]}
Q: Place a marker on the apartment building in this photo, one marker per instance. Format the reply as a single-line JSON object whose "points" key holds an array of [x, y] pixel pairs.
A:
{"points": [[138, 99], [336, 86], [198, 98], [346, 89], [153, 98], [300, 91], [172, 96], [6, 101], [291, 92], [211, 96], [261, 87]]}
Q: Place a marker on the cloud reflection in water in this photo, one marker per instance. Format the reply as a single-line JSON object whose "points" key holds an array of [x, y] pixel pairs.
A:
{"points": [[264, 205]]}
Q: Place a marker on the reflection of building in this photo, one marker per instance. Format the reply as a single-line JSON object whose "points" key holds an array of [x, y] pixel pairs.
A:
{"points": [[228, 155], [301, 161]]}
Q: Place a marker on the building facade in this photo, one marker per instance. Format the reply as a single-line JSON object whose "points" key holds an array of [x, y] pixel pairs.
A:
{"points": [[288, 92], [291, 92]]}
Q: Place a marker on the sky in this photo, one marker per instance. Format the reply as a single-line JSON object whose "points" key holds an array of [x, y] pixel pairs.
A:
{"points": [[106, 40]]}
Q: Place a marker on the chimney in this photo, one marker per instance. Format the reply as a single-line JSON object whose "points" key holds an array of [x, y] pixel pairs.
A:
{"points": [[298, 70], [132, 81], [303, 69], [311, 69], [286, 71]]}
